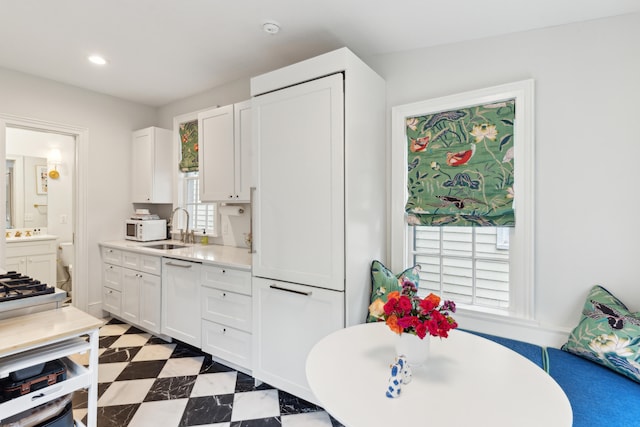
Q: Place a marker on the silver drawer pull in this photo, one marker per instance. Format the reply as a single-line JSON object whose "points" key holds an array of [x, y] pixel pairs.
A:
{"points": [[308, 293], [179, 265]]}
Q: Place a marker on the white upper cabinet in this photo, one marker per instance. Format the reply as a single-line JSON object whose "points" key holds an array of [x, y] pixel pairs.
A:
{"points": [[224, 153], [151, 166]]}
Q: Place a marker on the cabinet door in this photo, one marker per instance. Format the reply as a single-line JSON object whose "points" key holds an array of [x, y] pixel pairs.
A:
{"points": [[16, 263], [142, 166], [299, 199], [181, 301], [42, 268], [151, 166], [150, 297], [242, 150], [131, 295], [288, 321], [216, 154]]}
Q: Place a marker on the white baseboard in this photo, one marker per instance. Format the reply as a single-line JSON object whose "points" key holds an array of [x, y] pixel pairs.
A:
{"points": [[95, 309]]}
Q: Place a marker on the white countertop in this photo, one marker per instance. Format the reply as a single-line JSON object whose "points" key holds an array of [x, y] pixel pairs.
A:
{"points": [[209, 254]]}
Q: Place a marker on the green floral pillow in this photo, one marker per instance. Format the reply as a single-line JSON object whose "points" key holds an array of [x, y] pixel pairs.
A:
{"points": [[384, 281], [608, 333]]}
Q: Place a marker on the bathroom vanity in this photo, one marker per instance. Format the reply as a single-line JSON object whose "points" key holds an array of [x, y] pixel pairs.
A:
{"points": [[33, 256]]}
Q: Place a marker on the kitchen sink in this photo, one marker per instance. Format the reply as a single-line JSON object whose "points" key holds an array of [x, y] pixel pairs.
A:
{"points": [[165, 246]]}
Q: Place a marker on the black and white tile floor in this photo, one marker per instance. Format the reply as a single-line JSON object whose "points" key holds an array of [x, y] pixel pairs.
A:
{"points": [[144, 381]]}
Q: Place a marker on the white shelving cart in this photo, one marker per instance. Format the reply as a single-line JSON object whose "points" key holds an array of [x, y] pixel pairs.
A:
{"points": [[50, 335]]}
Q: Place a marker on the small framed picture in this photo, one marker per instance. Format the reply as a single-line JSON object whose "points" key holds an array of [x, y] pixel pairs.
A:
{"points": [[42, 181]]}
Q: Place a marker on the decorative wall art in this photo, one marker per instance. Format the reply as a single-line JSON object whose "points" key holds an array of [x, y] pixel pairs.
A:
{"points": [[42, 181]]}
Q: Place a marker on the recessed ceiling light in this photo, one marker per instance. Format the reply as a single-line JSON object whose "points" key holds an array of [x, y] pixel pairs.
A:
{"points": [[97, 59]]}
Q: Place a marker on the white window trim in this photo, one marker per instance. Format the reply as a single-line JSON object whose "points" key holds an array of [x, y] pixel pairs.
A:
{"points": [[521, 271]]}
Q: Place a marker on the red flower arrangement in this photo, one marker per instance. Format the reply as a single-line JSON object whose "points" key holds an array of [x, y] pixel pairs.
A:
{"points": [[405, 312]]}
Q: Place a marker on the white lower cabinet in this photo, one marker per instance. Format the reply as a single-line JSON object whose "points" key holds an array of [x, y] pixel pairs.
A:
{"points": [[288, 321], [180, 300], [132, 287], [36, 259], [226, 315]]}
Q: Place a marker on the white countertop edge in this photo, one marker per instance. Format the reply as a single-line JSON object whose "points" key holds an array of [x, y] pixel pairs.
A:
{"points": [[229, 256], [36, 238]]}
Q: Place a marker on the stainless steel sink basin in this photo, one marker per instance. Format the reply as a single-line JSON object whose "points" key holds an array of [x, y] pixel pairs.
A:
{"points": [[165, 246]]}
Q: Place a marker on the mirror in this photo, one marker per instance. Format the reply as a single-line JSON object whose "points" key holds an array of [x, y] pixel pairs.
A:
{"points": [[26, 191], [34, 198]]}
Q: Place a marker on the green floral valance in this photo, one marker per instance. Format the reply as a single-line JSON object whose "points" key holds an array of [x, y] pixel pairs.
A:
{"points": [[189, 143], [460, 167]]}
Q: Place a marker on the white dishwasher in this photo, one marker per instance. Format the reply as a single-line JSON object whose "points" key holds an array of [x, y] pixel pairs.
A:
{"points": [[181, 300]]}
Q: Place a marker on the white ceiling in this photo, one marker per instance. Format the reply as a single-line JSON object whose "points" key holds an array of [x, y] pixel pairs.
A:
{"points": [[163, 50]]}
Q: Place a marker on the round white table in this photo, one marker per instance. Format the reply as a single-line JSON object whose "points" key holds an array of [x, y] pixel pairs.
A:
{"points": [[467, 381]]}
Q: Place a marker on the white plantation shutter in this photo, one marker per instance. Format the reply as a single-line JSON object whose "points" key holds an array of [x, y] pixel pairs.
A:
{"points": [[464, 264], [201, 215]]}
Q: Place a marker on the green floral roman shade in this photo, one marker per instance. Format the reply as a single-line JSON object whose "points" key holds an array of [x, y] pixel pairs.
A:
{"points": [[460, 167], [189, 143]]}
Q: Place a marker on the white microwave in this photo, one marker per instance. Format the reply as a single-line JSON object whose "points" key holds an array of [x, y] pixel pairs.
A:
{"points": [[145, 230]]}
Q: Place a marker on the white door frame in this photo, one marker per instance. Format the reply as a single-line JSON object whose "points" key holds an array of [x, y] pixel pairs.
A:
{"points": [[80, 278]]}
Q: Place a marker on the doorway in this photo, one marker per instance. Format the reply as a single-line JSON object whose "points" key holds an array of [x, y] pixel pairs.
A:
{"points": [[41, 204], [61, 197]]}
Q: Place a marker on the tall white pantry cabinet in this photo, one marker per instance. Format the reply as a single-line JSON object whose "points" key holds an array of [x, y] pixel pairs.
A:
{"points": [[319, 207]]}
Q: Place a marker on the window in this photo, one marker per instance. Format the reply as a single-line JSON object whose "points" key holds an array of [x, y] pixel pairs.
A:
{"points": [[485, 270], [464, 264], [201, 215]]}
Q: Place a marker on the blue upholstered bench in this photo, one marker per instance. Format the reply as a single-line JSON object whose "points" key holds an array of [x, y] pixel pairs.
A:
{"points": [[599, 397], [533, 352]]}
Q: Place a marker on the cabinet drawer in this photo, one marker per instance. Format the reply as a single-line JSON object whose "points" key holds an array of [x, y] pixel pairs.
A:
{"points": [[150, 264], [112, 256], [15, 249], [131, 260], [112, 276], [227, 343], [227, 308], [111, 301], [228, 279]]}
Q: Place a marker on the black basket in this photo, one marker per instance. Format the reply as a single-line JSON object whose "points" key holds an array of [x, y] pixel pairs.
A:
{"points": [[52, 373]]}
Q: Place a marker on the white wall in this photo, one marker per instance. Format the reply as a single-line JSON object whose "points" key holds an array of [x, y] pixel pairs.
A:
{"points": [[587, 144], [231, 93], [110, 122]]}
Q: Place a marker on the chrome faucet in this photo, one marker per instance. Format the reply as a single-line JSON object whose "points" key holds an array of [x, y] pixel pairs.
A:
{"points": [[183, 236]]}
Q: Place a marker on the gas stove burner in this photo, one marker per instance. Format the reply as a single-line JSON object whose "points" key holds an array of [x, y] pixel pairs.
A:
{"points": [[14, 286]]}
